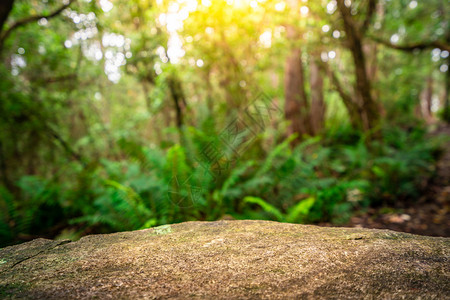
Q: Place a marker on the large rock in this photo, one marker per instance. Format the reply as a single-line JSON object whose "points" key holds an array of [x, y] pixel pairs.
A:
{"points": [[230, 259]]}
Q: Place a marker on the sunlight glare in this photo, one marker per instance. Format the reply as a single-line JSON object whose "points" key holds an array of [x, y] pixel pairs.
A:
{"points": [[106, 5], [266, 39], [280, 6], [206, 3], [304, 10], [331, 7], [395, 38], [412, 4]]}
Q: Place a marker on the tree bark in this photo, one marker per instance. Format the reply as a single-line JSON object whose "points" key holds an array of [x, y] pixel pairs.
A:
{"points": [[296, 103], [5, 9], [296, 106], [317, 102], [179, 101], [414, 46], [446, 112], [426, 100], [370, 51], [370, 111]]}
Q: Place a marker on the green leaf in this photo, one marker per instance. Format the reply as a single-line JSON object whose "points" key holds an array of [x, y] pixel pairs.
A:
{"points": [[265, 206], [300, 210], [150, 223]]}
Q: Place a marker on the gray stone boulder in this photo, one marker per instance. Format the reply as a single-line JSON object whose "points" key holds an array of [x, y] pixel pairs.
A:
{"points": [[230, 260]]}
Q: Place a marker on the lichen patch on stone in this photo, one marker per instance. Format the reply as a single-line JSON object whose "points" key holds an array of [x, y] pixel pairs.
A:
{"points": [[164, 229]]}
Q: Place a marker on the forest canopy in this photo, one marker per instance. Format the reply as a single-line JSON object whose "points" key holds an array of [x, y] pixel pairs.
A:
{"points": [[127, 114]]}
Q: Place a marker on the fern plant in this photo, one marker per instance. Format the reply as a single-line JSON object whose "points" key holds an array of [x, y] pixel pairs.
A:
{"points": [[294, 214]]}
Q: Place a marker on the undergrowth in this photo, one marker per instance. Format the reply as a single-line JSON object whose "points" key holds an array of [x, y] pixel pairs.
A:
{"points": [[321, 179]]}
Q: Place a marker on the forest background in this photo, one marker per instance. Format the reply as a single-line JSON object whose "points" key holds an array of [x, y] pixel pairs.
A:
{"points": [[129, 114]]}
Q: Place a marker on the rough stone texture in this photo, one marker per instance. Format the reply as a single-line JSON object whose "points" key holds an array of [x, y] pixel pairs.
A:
{"points": [[230, 259]]}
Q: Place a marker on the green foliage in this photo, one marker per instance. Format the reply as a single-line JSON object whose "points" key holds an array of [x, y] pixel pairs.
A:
{"points": [[88, 135], [403, 167], [312, 182], [297, 213]]}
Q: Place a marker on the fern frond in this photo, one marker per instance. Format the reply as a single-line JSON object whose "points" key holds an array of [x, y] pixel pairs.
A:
{"points": [[265, 206], [300, 210]]}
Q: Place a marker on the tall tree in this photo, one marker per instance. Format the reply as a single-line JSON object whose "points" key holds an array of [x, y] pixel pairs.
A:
{"points": [[296, 105], [369, 108], [317, 116]]}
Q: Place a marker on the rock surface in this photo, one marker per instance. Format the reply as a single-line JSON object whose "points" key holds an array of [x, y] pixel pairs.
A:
{"points": [[230, 260]]}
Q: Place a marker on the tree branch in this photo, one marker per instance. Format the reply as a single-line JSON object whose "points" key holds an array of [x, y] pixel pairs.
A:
{"points": [[30, 19], [412, 47], [352, 107], [370, 12], [59, 78], [349, 23], [336, 83], [52, 133]]}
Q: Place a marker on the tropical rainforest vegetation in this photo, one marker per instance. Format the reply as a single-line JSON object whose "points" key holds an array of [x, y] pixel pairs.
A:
{"points": [[127, 114]]}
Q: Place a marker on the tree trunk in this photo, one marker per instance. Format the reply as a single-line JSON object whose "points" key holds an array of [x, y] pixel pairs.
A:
{"points": [[352, 107], [296, 108], [370, 50], [426, 99], [5, 8], [317, 102], [370, 111], [296, 103], [446, 112], [209, 93], [179, 101]]}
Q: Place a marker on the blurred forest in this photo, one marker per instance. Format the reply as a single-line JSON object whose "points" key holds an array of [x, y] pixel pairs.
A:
{"points": [[127, 114]]}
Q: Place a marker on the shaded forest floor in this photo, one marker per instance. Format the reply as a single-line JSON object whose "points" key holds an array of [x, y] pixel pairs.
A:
{"points": [[430, 215]]}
